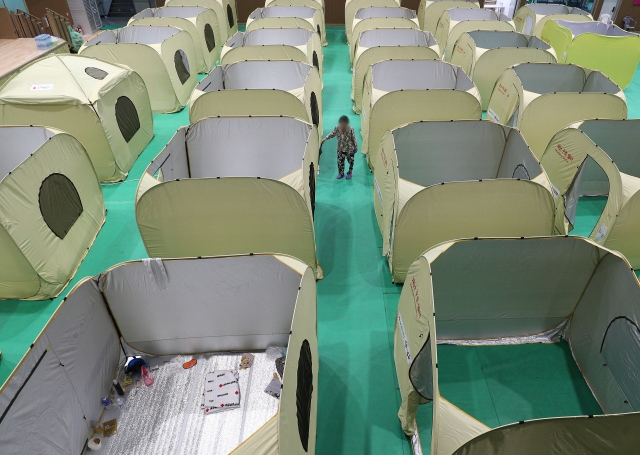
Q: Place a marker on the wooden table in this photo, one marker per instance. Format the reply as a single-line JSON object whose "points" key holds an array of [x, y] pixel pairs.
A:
{"points": [[16, 53]]}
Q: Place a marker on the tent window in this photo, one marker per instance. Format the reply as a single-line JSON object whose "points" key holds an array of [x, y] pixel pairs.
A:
{"points": [[60, 204], [96, 73], [230, 16], [520, 172], [312, 188], [316, 63], [421, 371], [127, 118], [182, 66], [315, 113], [304, 392], [620, 350], [209, 37], [318, 29]]}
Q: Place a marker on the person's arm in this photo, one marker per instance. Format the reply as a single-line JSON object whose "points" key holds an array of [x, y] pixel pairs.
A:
{"points": [[355, 141], [330, 135]]}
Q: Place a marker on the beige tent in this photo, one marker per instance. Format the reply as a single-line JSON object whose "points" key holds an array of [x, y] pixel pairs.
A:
{"points": [[429, 11], [168, 312], [289, 16], [454, 22], [351, 7], [541, 98], [163, 56], [296, 3], [595, 158], [298, 44], [201, 23], [517, 291], [530, 19], [225, 11], [403, 91], [105, 106], [597, 46], [380, 17], [232, 185], [256, 87], [485, 54], [437, 181], [377, 23], [51, 210], [376, 45]]}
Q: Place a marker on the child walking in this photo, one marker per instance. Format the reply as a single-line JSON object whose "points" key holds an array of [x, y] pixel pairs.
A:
{"points": [[347, 145]]}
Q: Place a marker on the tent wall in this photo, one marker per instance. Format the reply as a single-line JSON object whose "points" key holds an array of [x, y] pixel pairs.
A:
{"points": [[351, 7], [429, 12], [382, 14], [225, 11], [380, 23], [530, 19]]}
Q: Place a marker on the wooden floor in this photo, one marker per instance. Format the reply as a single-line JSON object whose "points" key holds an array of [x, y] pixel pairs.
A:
{"points": [[16, 53]]}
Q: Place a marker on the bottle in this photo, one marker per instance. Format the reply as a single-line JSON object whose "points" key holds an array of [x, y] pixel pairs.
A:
{"points": [[118, 387], [121, 405], [106, 402], [147, 378]]}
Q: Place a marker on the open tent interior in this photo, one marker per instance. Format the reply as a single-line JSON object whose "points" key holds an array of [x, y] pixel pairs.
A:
{"points": [[235, 185], [163, 56], [430, 11], [480, 295], [385, 16], [105, 106], [351, 7], [201, 23], [426, 90], [298, 44], [381, 44], [225, 11], [541, 98], [365, 25], [597, 46], [485, 54], [51, 209], [530, 19], [434, 181], [288, 16], [228, 304]]}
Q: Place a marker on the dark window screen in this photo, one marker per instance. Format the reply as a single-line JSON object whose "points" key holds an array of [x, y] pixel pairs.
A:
{"points": [[96, 73], [319, 32], [315, 113], [312, 188], [304, 392], [127, 118], [520, 172], [316, 63], [182, 66], [230, 16], [209, 37], [60, 204]]}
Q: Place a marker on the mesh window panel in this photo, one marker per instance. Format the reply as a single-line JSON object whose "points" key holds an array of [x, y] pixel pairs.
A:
{"points": [[304, 392], [182, 66], [312, 188], [520, 172], [60, 204], [315, 113], [209, 37], [127, 118], [620, 350], [316, 63], [230, 16], [96, 73], [318, 29]]}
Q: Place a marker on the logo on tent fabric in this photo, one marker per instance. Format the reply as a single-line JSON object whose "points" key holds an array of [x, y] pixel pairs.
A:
{"points": [[502, 89], [564, 153], [40, 87], [416, 297], [383, 156], [460, 49]]}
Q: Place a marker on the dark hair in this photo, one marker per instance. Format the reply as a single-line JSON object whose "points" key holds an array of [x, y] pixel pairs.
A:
{"points": [[344, 119]]}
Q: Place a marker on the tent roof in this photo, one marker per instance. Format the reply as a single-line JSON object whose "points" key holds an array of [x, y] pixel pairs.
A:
{"points": [[281, 75], [549, 78], [619, 139], [491, 39], [304, 12], [471, 14], [146, 34], [19, 143], [277, 36], [597, 27], [62, 79], [395, 37], [544, 9], [178, 11], [385, 11], [393, 75]]}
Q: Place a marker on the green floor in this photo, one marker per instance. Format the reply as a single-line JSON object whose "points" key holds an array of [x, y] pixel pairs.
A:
{"points": [[358, 400]]}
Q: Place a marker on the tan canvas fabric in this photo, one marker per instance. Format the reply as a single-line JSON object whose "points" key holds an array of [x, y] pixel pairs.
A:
{"points": [[352, 6], [530, 19], [225, 11], [429, 12], [380, 17], [374, 23], [311, 3], [263, 18]]}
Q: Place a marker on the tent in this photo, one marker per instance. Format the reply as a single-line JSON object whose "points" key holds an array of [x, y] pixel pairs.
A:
{"points": [[380, 17], [298, 44], [351, 7], [225, 11], [163, 56], [201, 23], [296, 3], [516, 291], [234, 185], [485, 54], [256, 87], [226, 306], [380, 44], [377, 23], [429, 11], [289, 16], [541, 98], [104, 105], [51, 210], [454, 22], [424, 90], [597, 46], [530, 18], [599, 158], [442, 180]]}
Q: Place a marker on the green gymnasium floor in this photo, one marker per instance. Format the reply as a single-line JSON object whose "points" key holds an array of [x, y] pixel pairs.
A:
{"points": [[358, 398]]}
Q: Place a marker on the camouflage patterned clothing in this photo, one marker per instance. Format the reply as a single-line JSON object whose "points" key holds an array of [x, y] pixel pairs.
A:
{"points": [[347, 147]]}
